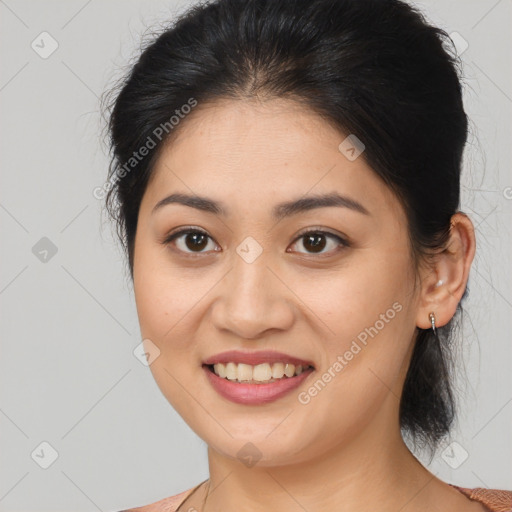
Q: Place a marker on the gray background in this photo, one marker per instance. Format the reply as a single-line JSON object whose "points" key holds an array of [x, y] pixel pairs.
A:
{"points": [[69, 324]]}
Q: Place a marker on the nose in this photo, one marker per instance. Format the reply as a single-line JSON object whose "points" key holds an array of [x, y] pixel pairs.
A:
{"points": [[252, 299]]}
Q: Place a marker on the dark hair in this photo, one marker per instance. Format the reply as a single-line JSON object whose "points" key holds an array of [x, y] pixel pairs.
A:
{"points": [[373, 68]]}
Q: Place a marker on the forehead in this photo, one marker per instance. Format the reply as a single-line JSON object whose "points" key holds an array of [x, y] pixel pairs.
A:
{"points": [[254, 153]]}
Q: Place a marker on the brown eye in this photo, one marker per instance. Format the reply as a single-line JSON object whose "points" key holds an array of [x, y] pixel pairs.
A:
{"points": [[316, 241], [189, 240]]}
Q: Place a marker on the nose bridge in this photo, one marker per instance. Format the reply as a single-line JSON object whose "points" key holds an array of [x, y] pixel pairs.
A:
{"points": [[251, 299], [250, 273]]}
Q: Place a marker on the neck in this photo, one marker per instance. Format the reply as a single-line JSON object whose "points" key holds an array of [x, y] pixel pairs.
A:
{"points": [[375, 471]]}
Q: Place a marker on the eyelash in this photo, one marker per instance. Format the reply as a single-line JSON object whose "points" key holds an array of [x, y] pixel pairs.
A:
{"points": [[191, 230]]}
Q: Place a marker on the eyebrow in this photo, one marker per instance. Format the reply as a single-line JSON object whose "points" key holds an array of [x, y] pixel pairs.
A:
{"points": [[280, 211]]}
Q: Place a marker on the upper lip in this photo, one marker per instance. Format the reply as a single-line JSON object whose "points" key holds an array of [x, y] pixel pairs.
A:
{"points": [[255, 358]]}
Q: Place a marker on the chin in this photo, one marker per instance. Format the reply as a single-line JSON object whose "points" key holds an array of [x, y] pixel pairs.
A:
{"points": [[260, 453]]}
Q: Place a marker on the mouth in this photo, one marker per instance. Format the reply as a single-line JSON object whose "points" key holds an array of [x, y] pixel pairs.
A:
{"points": [[255, 378]]}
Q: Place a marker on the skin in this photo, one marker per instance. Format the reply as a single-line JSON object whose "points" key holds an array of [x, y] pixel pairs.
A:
{"points": [[344, 446]]}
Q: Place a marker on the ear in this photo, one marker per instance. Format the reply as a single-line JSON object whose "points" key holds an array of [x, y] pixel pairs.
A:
{"points": [[444, 283]]}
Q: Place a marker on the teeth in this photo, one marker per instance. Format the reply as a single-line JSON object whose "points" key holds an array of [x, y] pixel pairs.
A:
{"points": [[261, 372], [289, 370], [231, 371], [277, 370], [244, 372], [221, 370], [264, 372]]}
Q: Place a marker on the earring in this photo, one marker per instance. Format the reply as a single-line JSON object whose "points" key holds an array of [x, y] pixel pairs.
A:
{"points": [[433, 321]]}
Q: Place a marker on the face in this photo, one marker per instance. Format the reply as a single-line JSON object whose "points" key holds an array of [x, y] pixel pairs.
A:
{"points": [[338, 299]]}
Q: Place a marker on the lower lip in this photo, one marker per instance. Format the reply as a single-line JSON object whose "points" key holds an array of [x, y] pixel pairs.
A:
{"points": [[254, 394]]}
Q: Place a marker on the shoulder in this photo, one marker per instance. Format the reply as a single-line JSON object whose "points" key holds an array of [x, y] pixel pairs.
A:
{"points": [[496, 500], [169, 504]]}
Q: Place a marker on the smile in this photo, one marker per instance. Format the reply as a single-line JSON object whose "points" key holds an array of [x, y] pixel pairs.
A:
{"points": [[257, 374], [255, 378]]}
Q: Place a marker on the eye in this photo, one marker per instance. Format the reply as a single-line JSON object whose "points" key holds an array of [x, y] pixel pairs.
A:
{"points": [[193, 240], [316, 240], [189, 240]]}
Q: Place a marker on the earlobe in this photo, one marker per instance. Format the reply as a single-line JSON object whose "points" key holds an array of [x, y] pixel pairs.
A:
{"points": [[444, 284]]}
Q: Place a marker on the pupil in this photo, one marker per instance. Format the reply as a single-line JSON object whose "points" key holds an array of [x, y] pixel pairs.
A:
{"points": [[315, 243], [195, 237]]}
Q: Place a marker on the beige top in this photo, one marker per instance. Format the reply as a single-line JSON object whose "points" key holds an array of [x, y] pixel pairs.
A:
{"points": [[494, 499]]}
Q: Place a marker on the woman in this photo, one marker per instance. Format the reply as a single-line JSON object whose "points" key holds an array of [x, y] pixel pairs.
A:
{"points": [[285, 179]]}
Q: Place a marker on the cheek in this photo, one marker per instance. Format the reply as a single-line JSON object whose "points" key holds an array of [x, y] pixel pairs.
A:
{"points": [[165, 308], [354, 296], [165, 311], [160, 294], [170, 306], [365, 314]]}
